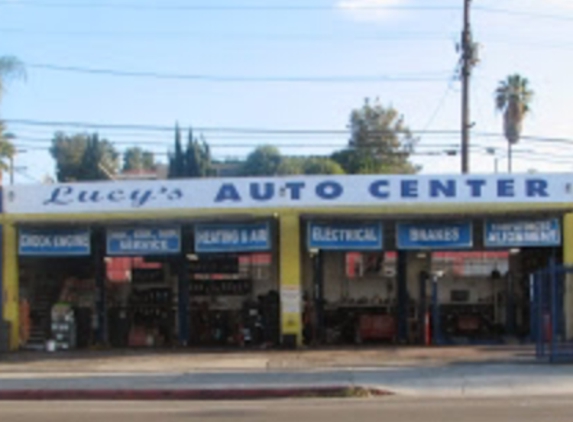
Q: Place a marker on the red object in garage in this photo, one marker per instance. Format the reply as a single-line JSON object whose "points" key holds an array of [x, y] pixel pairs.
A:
{"points": [[377, 327], [427, 329]]}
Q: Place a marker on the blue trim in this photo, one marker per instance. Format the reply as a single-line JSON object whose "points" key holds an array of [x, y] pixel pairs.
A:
{"points": [[346, 246], [487, 228], [404, 243], [113, 247], [241, 247], [43, 251]]}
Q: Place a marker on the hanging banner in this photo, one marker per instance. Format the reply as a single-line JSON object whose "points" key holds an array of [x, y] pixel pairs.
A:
{"points": [[54, 242], [218, 238], [418, 236], [345, 236], [522, 233], [143, 241]]}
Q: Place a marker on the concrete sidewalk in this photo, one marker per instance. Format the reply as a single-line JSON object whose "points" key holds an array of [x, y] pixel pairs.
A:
{"points": [[185, 360], [453, 380]]}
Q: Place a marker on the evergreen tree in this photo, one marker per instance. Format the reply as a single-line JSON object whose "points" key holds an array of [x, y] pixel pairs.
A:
{"points": [[177, 159]]}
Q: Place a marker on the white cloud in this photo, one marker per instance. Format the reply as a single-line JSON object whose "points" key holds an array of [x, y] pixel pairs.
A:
{"points": [[562, 3], [369, 10]]}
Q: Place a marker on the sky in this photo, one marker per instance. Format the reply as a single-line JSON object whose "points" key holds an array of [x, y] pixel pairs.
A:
{"points": [[302, 66]]}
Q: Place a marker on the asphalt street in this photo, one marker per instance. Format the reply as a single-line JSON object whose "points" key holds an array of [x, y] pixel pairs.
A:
{"points": [[522, 409]]}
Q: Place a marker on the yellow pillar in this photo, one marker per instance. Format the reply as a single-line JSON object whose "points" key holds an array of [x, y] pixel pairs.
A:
{"points": [[290, 276], [11, 291], [568, 260]]}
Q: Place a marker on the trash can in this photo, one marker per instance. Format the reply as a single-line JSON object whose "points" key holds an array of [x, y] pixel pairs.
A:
{"points": [[5, 331]]}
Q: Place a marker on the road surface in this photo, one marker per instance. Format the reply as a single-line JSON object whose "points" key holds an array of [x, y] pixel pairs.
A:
{"points": [[558, 409]]}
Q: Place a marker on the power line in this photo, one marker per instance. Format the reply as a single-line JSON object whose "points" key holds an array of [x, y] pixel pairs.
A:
{"points": [[35, 141], [239, 36], [441, 103], [521, 13], [27, 175], [219, 78], [207, 129], [258, 131], [220, 8]]}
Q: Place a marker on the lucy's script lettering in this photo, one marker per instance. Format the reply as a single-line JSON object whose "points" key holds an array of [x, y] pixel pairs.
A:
{"points": [[66, 195]]}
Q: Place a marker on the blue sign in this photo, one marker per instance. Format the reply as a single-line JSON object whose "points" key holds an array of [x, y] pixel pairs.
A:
{"points": [[345, 236], [57, 242], [252, 237], [418, 236], [522, 233], [143, 241]]}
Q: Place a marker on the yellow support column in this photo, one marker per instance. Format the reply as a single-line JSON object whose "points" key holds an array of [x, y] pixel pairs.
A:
{"points": [[290, 277], [568, 260], [11, 290]]}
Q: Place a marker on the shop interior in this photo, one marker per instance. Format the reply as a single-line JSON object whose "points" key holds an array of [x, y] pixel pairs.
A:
{"points": [[183, 299], [483, 295], [46, 283], [359, 298], [234, 300]]}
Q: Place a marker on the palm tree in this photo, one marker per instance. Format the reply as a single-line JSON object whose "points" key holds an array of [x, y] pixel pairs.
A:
{"points": [[10, 67], [513, 98], [7, 150]]}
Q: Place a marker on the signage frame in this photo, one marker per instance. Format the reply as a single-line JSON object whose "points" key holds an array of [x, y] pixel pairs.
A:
{"points": [[377, 247], [554, 221], [241, 248], [408, 245], [130, 232], [41, 252]]}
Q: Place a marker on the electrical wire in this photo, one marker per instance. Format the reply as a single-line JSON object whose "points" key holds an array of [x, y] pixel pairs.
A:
{"points": [[240, 36], [201, 129], [241, 79], [220, 8], [522, 13]]}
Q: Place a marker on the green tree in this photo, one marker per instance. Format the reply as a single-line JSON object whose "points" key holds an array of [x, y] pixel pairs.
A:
{"points": [[290, 166], [138, 159], [380, 142], [10, 67], [177, 158], [83, 157], [513, 98], [198, 154], [321, 165], [7, 149], [100, 160], [194, 161], [68, 152], [263, 161]]}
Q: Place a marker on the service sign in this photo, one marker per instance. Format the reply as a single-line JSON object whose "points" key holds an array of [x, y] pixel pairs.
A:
{"points": [[142, 241], [522, 233], [423, 236], [220, 238], [345, 236], [54, 243], [288, 192]]}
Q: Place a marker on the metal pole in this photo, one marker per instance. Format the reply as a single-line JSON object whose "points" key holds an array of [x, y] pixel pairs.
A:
{"points": [[12, 170], [496, 165], [466, 73], [509, 151], [435, 312], [553, 311]]}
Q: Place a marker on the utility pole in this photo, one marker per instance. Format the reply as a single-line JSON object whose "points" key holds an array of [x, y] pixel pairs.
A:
{"points": [[468, 60], [11, 169]]}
